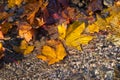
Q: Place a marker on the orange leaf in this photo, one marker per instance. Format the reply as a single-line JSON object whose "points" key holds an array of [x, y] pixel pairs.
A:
{"points": [[1, 35], [25, 31], [42, 57], [1, 51]]}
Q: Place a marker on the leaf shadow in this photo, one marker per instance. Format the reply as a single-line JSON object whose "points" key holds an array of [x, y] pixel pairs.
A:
{"points": [[10, 56]]}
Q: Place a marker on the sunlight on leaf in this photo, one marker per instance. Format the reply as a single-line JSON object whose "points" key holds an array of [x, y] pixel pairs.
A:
{"points": [[53, 55]]}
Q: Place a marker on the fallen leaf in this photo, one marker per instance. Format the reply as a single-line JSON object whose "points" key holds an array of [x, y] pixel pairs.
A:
{"points": [[95, 5], [74, 31], [92, 28], [74, 37], [62, 30], [1, 35], [12, 3], [5, 27], [114, 39], [25, 31], [101, 23], [40, 4], [53, 55], [24, 48], [40, 21], [1, 51]]}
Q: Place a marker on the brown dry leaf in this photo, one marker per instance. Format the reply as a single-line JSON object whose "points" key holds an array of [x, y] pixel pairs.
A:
{"points": [[38, 4], [5, 27], [4, 15], [95, 5], [40, 21], [1, 51], [24, 48], [53, 55], [25, 31]]}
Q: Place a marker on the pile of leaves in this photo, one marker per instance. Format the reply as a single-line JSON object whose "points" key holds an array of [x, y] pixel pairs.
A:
{"points": [[58, 23]]}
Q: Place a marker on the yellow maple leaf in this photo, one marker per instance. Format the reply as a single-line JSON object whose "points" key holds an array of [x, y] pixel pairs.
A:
{"points": [[12, 3], [92, 28], [82, 39], [28, 50], [24, 48], [62, 30], [52, 55], [48, 51], [101, 23], [60, 51], [73, 32]]}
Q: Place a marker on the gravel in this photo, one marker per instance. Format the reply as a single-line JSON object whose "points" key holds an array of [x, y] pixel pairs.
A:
{"points": [[98, 61]]}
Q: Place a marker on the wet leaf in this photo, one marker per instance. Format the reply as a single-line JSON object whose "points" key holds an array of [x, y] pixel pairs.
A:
{"points": [[52, 55]]}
